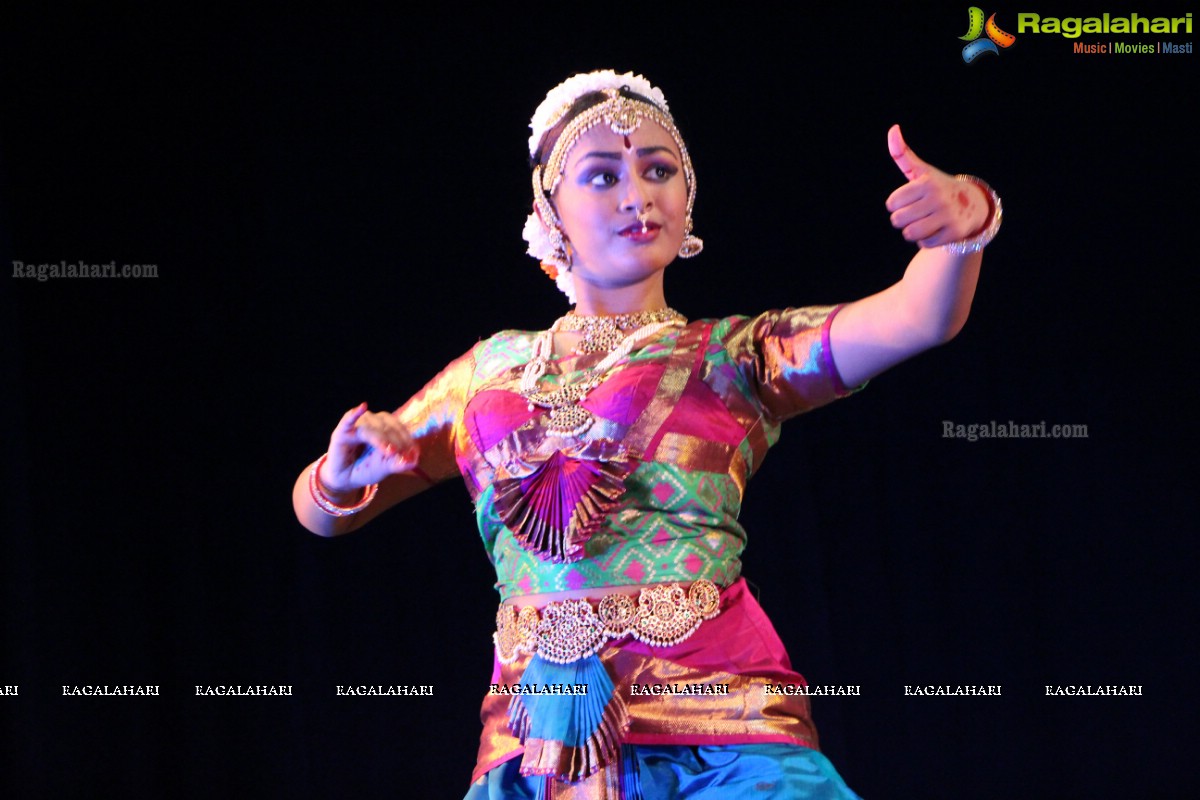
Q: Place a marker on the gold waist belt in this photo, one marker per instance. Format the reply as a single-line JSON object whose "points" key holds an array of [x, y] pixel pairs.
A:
{"points": [[569, 630]]}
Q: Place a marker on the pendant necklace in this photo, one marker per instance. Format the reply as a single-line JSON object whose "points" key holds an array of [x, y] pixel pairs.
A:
{"points": [[567, 417]]}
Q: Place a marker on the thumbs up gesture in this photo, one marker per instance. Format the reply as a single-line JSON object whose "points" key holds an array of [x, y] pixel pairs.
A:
{"points": [[933, 208]]}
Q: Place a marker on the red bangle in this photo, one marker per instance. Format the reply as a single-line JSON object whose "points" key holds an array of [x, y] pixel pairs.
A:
{"points": [[326, 504], [991, 225]]}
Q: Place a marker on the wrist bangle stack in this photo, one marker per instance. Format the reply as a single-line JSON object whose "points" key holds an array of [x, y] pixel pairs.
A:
{"points": [[326, 504], [995, 215]]}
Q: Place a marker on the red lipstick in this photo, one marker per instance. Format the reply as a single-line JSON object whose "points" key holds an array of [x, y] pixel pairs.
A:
{"points": [[640, 233]]}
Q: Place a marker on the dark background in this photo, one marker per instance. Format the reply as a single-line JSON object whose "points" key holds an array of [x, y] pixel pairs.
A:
{"points": [[334, 205]]}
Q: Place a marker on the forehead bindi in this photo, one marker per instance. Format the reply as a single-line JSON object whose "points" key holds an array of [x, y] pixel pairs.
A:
{"points": [[600, 142]]}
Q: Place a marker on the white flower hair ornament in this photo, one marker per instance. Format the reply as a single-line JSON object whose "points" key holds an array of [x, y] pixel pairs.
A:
{"points": [[623, 115], [560, 99], [552, 256]]}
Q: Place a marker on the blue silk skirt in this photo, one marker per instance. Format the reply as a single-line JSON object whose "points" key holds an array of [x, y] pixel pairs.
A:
{"points": [[681, 772]]}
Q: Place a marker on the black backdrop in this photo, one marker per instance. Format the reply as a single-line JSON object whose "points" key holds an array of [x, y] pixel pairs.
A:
{"points": [[334, 208]]}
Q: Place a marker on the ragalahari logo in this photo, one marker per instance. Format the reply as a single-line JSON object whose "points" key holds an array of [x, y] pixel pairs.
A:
{"points": [[976, 28]]}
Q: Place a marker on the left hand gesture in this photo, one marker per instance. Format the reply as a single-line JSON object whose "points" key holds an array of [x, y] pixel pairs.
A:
{"points": [[933, 208]]}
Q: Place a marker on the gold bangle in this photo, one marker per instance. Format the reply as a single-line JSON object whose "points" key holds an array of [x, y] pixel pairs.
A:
{"points": [[326, 503]]}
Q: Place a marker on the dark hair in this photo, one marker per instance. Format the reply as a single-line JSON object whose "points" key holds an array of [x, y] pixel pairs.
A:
{"points": [[581, 104]]}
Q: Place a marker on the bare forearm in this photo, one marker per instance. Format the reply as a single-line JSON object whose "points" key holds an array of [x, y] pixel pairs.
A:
{"points": [[935, 295], [946, 217], [393, 489]]}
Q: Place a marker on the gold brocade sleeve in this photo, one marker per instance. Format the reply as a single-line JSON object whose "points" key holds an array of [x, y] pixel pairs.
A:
{"points": [[434, 417], [786, 359]]}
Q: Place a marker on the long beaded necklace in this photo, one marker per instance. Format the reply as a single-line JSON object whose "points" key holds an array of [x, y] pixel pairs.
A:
{"points": [[567, 417]]}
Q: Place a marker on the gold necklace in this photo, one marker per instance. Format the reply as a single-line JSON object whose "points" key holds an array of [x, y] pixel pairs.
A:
{"points": [[567, 417], [603, 332]]}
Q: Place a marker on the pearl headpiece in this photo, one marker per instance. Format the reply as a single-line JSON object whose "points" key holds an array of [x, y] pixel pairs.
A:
{"points": [[623, 115], [560, 99]]}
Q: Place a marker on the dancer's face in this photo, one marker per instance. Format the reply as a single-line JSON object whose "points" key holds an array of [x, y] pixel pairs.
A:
{"points": [[609, 180]]}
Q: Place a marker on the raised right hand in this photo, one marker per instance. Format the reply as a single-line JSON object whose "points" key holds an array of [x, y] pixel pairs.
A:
{"points": [[366, 447], [933, 208]]}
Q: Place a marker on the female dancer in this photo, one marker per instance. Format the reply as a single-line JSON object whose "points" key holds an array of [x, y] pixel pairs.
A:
{"points": [[607, 458]]}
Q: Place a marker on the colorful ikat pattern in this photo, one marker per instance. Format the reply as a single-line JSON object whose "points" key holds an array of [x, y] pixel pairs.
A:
{"points": [[692, 416]]}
